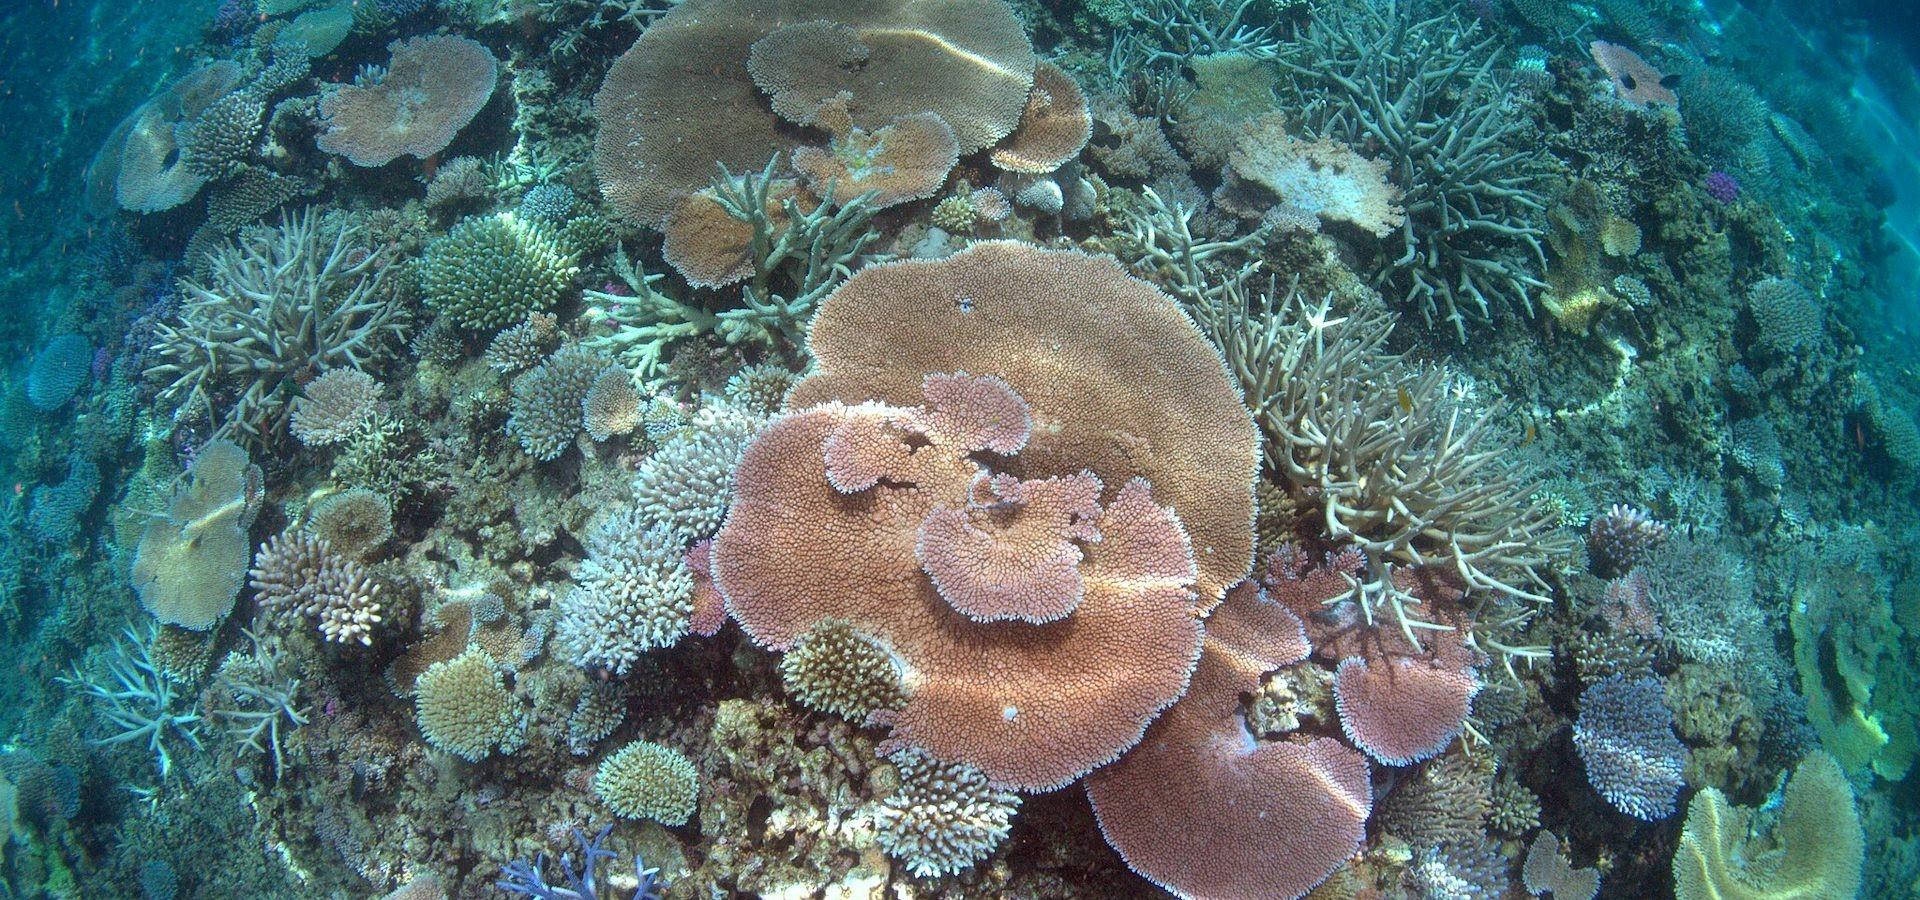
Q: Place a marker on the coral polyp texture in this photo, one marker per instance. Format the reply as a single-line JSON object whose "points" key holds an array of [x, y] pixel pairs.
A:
{"points": [[944, 817], [491, 271], [633, 593], [462, 707], [1625, 737], [645, 780], [431, 88]]}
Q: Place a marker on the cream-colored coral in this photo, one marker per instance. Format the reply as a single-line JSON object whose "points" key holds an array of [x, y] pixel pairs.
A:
{"points": [[192, 560], [645, 780], [463, 707]]}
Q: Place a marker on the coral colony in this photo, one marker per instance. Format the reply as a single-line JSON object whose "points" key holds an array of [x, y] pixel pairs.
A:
{"points": [[1219, 449]]}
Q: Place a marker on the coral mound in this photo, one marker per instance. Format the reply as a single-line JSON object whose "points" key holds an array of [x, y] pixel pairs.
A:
{"points": [[1204, 811], [645, 780], [432, 88]]}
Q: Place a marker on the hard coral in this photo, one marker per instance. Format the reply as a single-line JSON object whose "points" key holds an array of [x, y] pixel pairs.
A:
{"points": [[192, 559], [1296, 184], [1815, 848], [687, 483], [633, 593], [58, 371], [332, 407], [1625, 737], [1053, 129], [463, 707], [1201, 810], [548, 404], [834, 669], [492, 270], [645, 780], [1634, 81], [1150, 399], [906, 159], [432, 88], [683, 98], [143, 155], [944, 817], [299, 573]]}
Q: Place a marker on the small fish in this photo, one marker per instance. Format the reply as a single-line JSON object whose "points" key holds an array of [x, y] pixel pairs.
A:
{"points": [[1533, 431], [1406, 400]]}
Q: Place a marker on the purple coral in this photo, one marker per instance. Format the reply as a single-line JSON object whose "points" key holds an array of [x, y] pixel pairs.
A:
{"points": [[1625, 737], [1722, 186], [530, 880], [1622, 538]]}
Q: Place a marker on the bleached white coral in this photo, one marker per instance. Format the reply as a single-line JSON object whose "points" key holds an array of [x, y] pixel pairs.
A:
{"points": [[633, 593]]}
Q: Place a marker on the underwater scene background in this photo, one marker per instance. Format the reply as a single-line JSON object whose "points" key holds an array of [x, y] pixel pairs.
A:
{"points": [[1226, 449]]}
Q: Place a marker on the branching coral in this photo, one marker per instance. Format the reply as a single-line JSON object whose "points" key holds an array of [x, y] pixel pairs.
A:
{"points": [[1625, 737], [645, 780], [548, 404], [1189, 28], [256, 700], [281, 304], [334, 406], [795, 255], [137, 701], [584, 883], [687, 483], [943, 818], [1419, 83], [301, 574], [633, 593], [491, 270]]}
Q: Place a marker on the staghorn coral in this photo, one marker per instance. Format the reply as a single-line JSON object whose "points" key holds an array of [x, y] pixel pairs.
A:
{"points": [[1625, 738], [834, 669], [433, 86], [255, 701], [687, 483], [1815, 848], [280, 304], [1053, 129], [712, 247], [906, 159], [334, 406], [136, 701], [645, 780], [296, 573], [1417, 81], [192, 558], [547, 407], [1289, 183], [584, 883], [491, 270], [1396, 464], [684, 97], [943, 818], [463, 707], [632, 593], [1202, 810], [59, 369]]}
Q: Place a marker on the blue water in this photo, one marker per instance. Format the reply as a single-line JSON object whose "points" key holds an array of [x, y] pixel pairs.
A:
{"points": [[1623, 298]]}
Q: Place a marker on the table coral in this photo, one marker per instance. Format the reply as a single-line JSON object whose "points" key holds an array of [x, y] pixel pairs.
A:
{"points": [[434, 86]]}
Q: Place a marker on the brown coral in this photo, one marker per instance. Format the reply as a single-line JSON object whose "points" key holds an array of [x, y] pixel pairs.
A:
{"points": [[152, 171], [1010, 552], [682, 98], [1033, 706], [334, 406], [1204, 812], [1053, 129], [432, 88], [907, 159], [1148, 397]]}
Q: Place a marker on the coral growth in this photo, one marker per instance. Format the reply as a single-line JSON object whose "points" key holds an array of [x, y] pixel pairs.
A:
{"points": [[645, 780], [432, 87]]}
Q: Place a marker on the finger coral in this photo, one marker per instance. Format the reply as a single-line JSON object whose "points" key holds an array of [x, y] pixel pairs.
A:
{"points": [[463, 707], [1203, 811], [192, 560], [433, 86], [301, 574], [632, 593], [944, 818], [491, 270], [645, 780], [687, 95]]}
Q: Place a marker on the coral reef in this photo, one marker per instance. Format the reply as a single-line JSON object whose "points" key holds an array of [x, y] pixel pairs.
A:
{"points": [[432, 87], [645, 780]]}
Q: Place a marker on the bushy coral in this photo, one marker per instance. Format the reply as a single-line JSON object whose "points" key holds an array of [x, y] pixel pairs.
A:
{"points": [[547, 404], [58, 508], [522, 346], [1622, 539], [833, 669], [216, 142], [549, 202], [332, 407], [944, 817], [612, 405], [301, 574], [1786, 316], [1625, 737], [645, 780], [688, 482], [493, 270], [463, 707], [632, 593]]}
